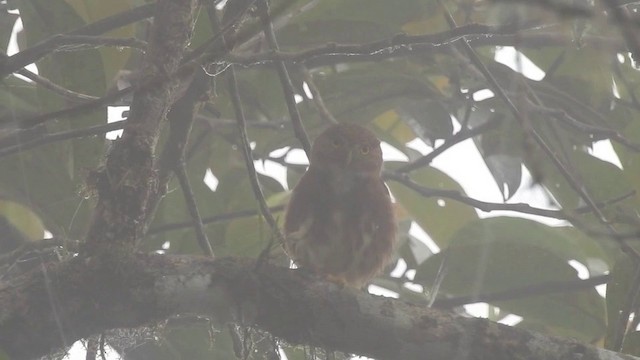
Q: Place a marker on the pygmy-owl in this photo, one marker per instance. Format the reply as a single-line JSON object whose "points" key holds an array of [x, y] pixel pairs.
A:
{"points": [[340, 221]]}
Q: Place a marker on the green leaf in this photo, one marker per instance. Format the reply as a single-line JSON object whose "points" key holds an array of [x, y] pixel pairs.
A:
{"points": [[501, 148], [430, 119], [17, 98], [248, 237], [23, 219], [7, 21], [413, 251], [189, 341], [353, 21], [502, 254], [629, 158], [617, 294], [81, 71], [295, 353], [631, 344], [440, 218], [114, 59], [600, 179], [583, 72], [60, 166], [31, 179]]}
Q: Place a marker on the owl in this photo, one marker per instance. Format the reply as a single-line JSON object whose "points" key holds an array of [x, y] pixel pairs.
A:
{"points": [[340, 222]]}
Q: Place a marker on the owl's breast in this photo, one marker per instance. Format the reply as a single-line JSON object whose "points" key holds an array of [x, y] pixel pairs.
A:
{"points": [[348, 235]]}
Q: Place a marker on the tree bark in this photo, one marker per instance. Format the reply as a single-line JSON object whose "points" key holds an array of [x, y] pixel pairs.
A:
{"points": [[64, 302]]}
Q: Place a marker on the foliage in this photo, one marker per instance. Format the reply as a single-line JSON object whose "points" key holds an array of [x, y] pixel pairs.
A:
{"points": [[400, 69]]}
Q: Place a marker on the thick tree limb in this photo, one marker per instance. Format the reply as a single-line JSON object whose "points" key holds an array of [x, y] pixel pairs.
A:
{"points": [[129, 177], [68, 301]]}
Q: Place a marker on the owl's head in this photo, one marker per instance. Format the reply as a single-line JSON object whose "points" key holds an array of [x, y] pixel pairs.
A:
{"points": [[347, 148]]}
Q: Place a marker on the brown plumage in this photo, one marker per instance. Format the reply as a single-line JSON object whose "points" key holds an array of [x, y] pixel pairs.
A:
{"points": [[340, 222]]}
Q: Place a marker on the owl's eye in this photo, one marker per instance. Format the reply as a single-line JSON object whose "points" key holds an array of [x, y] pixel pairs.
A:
{"points": [[336, 143], [365, 150]]}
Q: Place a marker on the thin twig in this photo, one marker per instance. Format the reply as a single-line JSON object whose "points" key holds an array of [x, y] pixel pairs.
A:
{"points": [[116, 21], [189, 197], [59, 136], [571, 10], [539, 140], [32, 54], [488, 206], [208, 51], [478, 204], [103, 353], [497, 89], [212, 219], [625, 81], [333, 53], [48, 84], [385, 46], [190, 63], [324, 112], [246, 151], [72, 111], [546, 288], [92, 345], [174, 154], [628, 27], [63, 43], [285, 79], [632, 296], [460, 136], [621, 326], [38, 246], [579, 125]]}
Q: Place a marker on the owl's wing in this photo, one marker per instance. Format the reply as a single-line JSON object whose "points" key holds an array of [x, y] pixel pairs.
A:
{"points": [[299, 217], [300, 204], [307, 206], [385, 187]]}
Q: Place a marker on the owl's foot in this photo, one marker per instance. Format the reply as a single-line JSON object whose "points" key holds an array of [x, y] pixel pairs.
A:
{"points": [[307, 273], [338, 280]]}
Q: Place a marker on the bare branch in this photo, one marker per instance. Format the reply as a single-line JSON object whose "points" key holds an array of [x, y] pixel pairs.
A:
{"points": [[403, 45], [248, 157], [285, 79], [63, 43], [524, 292], [212, 219], [50, 85], [628, 27], [460, 136], [317, 98], [405, 180], [389, 45], [201, 235], [495, 86], [14, 143]]}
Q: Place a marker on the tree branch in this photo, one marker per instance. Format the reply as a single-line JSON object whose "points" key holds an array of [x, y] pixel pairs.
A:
{"points": [[285, 79], [212, 219], [128, 179], [286, 303], [14, 143], [36, 52], [247, 154]]}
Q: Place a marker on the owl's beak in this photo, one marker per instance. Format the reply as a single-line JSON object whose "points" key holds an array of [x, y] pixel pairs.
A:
{"points": [[349, 157]]}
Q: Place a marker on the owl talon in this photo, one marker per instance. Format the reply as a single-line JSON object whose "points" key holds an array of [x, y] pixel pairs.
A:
{"points": [[338, 280]]}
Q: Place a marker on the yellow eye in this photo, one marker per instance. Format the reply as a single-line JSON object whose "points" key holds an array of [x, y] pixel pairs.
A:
{"points": [[365, 150], [337, 143]]}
